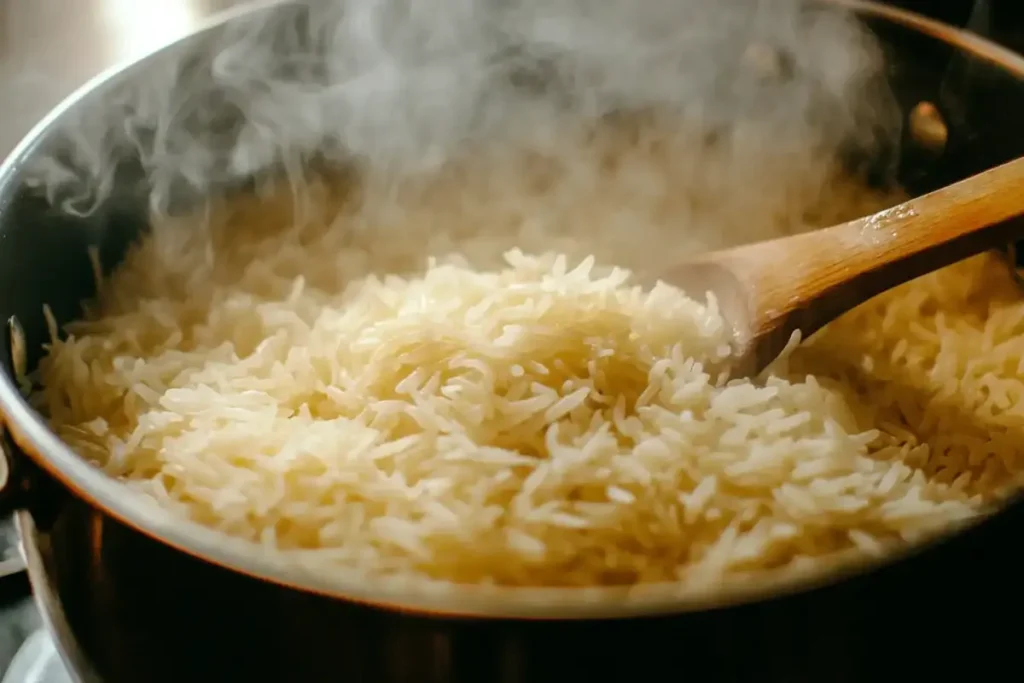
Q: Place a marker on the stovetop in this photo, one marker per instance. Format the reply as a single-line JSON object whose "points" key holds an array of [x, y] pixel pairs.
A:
{"points": [[92, 35], [18, 618]]}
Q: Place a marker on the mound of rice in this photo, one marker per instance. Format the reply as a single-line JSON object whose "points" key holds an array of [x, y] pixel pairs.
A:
{"points": [[396, 390]]}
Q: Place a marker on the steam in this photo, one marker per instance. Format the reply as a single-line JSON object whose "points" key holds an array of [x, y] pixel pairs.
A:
{"points": [[400, 87]]}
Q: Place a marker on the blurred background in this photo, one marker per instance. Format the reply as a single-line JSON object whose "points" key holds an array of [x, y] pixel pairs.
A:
{"points": [[50, 47]]}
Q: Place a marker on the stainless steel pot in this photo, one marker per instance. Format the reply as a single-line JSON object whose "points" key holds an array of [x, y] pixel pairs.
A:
{"points": [[134, 597]]}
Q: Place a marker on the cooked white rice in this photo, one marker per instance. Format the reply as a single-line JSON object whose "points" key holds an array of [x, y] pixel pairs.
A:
{"points": [[518, 411]]}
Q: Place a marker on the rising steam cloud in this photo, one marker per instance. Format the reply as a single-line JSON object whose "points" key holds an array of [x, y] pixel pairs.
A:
{"points": [[395, 87]]}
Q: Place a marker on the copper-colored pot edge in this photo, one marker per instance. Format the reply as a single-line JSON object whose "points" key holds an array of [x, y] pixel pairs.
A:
{"points": [[34, 438]]}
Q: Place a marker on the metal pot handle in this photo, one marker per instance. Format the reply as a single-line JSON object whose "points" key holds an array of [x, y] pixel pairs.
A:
{"points": [[14, 486], [14, 490], [16, 471]]}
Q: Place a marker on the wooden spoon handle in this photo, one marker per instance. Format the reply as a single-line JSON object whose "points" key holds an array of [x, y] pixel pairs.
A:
{"points": [[818, 276], [934, 230]]}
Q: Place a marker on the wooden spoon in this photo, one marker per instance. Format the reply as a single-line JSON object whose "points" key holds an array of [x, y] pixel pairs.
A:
{"points": [[768, 290]]}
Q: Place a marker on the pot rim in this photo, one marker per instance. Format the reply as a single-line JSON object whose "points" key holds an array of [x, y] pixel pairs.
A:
{"points": [[33, 436]]}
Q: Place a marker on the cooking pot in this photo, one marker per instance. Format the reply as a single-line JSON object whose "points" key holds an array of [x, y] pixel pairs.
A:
{"points": [[134, 596]]}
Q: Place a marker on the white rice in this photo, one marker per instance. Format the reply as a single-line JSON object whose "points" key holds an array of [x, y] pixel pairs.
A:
{"points": [[514, 409]]}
